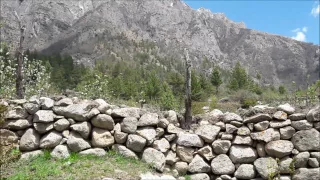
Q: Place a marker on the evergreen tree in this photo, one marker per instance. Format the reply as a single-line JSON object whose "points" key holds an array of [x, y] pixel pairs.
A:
{"points": [[239, 78], [216, 78], [167, 99], [196, 89], [153, 86]]}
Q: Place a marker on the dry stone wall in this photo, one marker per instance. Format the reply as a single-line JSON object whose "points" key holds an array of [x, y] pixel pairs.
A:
{"points": [[271, 142]]}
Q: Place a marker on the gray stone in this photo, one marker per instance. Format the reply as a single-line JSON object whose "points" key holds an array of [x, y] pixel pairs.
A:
{"points": [[280, 115], [228, 117], [279, 148], [149, 133], [313, 162], [43, 127], [242, 154], [103, 106], [17, 113], [222, 125], [279, 124], [64, 102], [245, 171], [258, 118], [236, 123], [242, 140], [61, 151], [301, 125], [61, 125], [285, 165], [206, 152], [307, 174], [208, 132], [50, 140], [287, 108], [163, 123], [185, 153], [261, 126], [78, 112], [222, 165], [266, 166], [315, 155], [198, 165], [301, 159], [172, 129], [149, 176], [103, 121], [136, 143], [155, 158], [43, 116], [94, 151], [171, 157], [126, 112], [226, 136], [287, 132], [101, 138], [46, 103], [34, 100], [243, 131], [172, 117], [31, 154], [199, 176], [122, 150], [213, 116], [30, 140], [17, 124], [160, 132], [149, 119], [316, 125], [83, 128], [76, 143], [306, 140], [181, 167], [221, 146], [8, 137], [230, 129], [266, 136], [260, 150], [189, 140], [129, 125], [314, 114], [31, 108], [297, 116], [120, 137], [161, 145]]}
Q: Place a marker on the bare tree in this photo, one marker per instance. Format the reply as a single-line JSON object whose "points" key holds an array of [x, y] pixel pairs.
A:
{"points": [[19, 69], [188, 113]]}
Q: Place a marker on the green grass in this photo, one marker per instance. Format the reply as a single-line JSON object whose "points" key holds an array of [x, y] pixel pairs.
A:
{"points": [[76, 166]]}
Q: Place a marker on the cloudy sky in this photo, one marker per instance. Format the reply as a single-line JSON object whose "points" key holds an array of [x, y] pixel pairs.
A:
{"points": [[297, 19]]}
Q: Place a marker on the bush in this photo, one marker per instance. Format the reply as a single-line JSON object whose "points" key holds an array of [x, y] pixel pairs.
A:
{"points": [[247, 102], [213, 103], [245, 97], [196, 107]]}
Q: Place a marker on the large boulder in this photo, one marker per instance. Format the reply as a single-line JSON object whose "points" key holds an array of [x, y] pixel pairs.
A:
{"points": [[280, 115], [245, 171], [120, 137], [306, 140], [189, 140], [287, 132], [101, 138], [242, 154], [171, 157], [149, 119], [222, 165], [17, 113], [61, 125], [50, 140], [136, 143], [122, 150], [43, 127], [76, 143], [301, 159], [83, 128], [279, 148], [185, 153], [266, 167], [279, 124], [31, 108], [155, 158], [208, 132], [314, 114], [129, 125], [213, 117], [228, 117], [198, 165], [46, 103], [126, 112], [181, 167], [149, 133], [221, 146], [30, 140], [103, 121], [297, 116], [61, 151], [304, 173], [206, 152], [103, 106], [261, 126], [266, 136], [7, 137], [258, 118], [64, 102], [161, 145], [78, 112], [17, 124], [301, 125], [43, 116], [242, 140], [287, 108]]}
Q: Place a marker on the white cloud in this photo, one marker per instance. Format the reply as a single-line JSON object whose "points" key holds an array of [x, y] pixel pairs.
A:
{"points": [[305, 29], [296, 30], [300, 36], [315, 10]]}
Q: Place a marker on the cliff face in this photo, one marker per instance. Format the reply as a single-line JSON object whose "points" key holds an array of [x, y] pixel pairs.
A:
{"points": [[91, 29]]}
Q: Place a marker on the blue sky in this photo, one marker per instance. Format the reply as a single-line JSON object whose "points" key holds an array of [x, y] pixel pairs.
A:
{"points": [[295, 19]]}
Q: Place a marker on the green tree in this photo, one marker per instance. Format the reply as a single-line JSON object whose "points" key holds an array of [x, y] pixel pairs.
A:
{"points": [[216, 80], [239, 78], [153, 86], [167, 99], [196, 90]]}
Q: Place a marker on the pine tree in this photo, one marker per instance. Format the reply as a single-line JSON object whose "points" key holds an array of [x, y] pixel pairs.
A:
{"points": [[216, 78], [239, 78]]}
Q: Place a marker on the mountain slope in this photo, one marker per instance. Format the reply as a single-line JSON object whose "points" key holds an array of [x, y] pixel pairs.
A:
{"points": [[93, 29]]}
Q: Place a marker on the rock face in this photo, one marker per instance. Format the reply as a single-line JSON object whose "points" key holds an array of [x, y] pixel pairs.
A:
{"points": [[57, 32]]}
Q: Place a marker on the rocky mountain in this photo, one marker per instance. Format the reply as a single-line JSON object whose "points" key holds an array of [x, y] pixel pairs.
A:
{"points": [[94, 29]]}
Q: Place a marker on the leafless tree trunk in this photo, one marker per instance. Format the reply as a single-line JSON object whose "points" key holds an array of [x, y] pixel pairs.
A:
{"points": [[19, 69], [188, 113]]}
